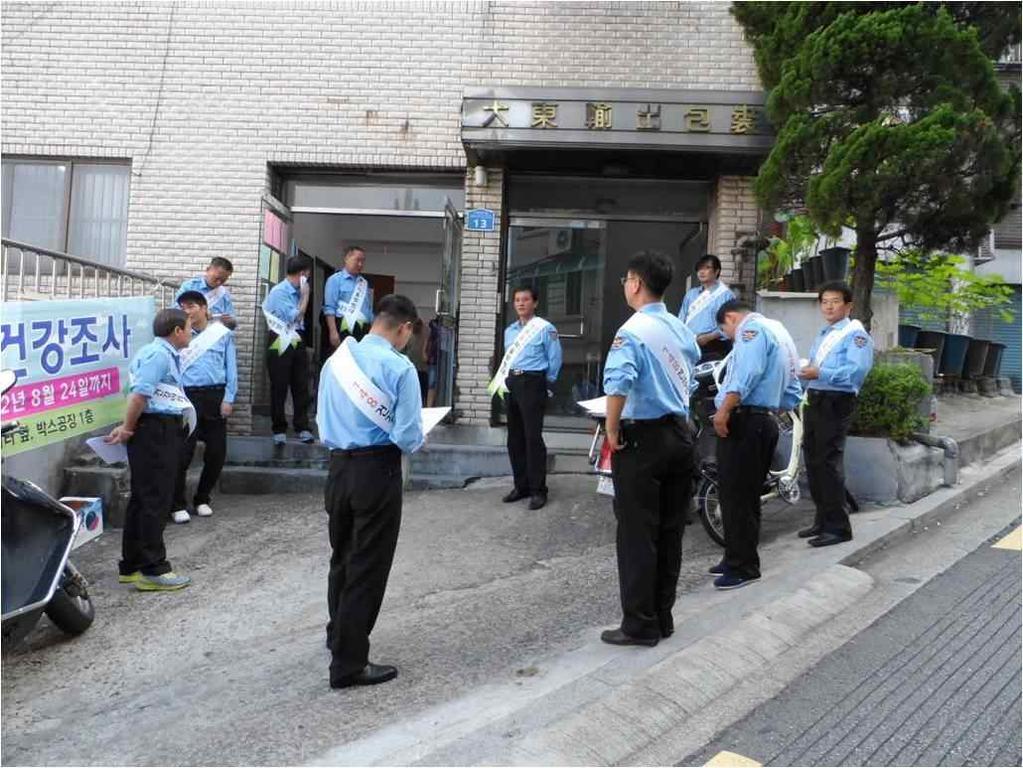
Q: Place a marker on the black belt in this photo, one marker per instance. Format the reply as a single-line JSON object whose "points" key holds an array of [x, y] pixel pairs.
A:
{"points": [[161, 416], [668, 418], [821, 394], [206, 388], [369, 450], [754, 409], [520, 372]]}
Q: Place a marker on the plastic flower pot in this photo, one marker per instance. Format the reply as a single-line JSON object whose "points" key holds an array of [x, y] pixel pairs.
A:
{"points": [[812, 273], [953, 358], [834, 263], [976, 358], [993, 363], [933, 341], [907, 335], [797, 281]]}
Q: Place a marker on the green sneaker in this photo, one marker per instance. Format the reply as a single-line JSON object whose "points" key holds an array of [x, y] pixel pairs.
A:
{"points": [[129, 578], [165, 582]]}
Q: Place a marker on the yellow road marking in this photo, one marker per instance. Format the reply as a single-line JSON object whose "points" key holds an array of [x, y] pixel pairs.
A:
{"points": [[1013, 541], [730, 759]]}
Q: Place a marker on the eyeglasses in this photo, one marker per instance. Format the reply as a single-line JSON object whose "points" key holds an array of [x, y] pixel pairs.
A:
{"points": [[626, 278]]}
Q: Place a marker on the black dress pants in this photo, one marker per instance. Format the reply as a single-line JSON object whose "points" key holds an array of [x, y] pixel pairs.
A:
{"points": [[744, 459], [653, 480], [526, 401], [288, 370], [326, 348], [211, 429], [154, 453], [363, 500], [826, 421]]}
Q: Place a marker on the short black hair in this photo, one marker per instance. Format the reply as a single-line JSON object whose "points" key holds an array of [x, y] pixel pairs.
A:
{"points": [[654, 269], [298, 264], [735, 305], [222, 263], [835, 286], [196, 297], [395, 309], [167, 321], [352, 248], [527, 288], [711, 259]]}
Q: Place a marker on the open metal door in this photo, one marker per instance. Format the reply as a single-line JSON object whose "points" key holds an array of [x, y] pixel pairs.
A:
{"points": [[446, 305]]}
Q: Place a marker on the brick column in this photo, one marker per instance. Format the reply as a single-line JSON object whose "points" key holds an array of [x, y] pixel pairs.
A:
{"points": [[733, 216], [478, 302]]}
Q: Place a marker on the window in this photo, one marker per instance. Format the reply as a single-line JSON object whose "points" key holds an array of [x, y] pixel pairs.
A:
{"points": [[75, 207]]}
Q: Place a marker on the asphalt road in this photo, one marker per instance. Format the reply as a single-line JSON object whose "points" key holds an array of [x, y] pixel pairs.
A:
{"points": [[936, 681]]}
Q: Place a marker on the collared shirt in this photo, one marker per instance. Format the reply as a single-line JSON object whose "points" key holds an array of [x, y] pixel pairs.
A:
{"points": [[542, 353], [758, 370], [636, 372], [343, 425], [217, 365], [282, 302], [847, 364], [156, 363], [339, 290], [222, 306], [705, 320]]}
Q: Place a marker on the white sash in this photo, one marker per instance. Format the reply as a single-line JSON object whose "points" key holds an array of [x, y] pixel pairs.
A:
{"points": [[352, 312], [173, 396], [200, 344], [832, 339], [375, 405], [286, 333], [659, 340], [783, 339], [526, 335], [213, 295], [705, 298]]}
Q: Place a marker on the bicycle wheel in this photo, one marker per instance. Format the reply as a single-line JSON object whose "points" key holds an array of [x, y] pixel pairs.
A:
{"points": [[709, 504]]}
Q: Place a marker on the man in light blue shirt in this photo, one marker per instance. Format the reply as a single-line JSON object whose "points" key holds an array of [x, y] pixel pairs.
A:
{"points": [[212, 285], [369, 413], [287, 361], [530, 378], [760, 379], [337, 294], [153, 431], [210, 380], [700, 307], [648, 378], [840, 360]]}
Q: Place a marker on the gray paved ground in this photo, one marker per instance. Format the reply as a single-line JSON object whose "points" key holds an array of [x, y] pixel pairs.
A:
{"points": [[934, 682]]}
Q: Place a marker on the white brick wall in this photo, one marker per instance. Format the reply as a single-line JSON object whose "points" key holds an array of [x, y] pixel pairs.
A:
{"points": [[200, 96]]}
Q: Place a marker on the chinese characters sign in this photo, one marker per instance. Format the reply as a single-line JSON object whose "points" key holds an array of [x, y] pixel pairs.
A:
{"points": [[71, 358], [681, 119]]}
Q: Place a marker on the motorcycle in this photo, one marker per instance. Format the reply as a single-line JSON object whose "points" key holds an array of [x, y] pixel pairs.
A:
{"points": [[36, 538]]}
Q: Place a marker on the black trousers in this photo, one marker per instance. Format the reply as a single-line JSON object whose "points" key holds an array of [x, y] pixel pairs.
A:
{"points": [[526, 401], [744, 459], [653, 480], [211, 429], [826, 421], [154, 453], [363, 500], [715, 350], [326, 348], [289, 370]]}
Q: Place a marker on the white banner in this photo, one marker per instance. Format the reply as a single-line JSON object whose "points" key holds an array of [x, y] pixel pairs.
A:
{"points": [[832, 339], [173, 396], [526, 335], [705, 298], [200, 344], [659, 340], [352, 312], [375, 404], [286, 333]]}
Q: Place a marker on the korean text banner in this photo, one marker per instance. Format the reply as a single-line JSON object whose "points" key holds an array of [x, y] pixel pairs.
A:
{"points": [[71, 358]]}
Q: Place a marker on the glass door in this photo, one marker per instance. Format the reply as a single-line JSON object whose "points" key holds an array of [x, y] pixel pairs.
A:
{"points": [[446, 306], [564, 261]]}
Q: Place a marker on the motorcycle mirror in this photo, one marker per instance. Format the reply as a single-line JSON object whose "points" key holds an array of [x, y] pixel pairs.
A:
{"points": [[7, 379]]}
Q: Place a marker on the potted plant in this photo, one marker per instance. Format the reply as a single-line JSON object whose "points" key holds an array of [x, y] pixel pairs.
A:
{"points": [[784, 253]]}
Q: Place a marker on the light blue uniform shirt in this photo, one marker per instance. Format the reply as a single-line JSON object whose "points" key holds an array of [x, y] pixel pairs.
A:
{"points": [[542, 353], [847, 364], [705, 320], [156, 363], [217, 365], [758, 370], [339, 290], [637, 373], [222, 306], [343, 425], [282, 302]]}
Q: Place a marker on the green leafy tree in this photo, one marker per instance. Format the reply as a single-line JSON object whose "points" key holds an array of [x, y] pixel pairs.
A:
{"points": [[890, 120]]}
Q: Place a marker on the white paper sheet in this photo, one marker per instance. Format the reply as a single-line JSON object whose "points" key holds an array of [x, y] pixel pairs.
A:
{"points": [[111, 454], [432, 417], [595, 407]]}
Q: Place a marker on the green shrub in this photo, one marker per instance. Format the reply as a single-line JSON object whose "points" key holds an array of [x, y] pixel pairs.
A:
{"points": [[888, 402]]}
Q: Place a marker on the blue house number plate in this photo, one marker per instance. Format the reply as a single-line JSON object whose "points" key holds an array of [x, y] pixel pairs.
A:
{"points": [[480, 220]]}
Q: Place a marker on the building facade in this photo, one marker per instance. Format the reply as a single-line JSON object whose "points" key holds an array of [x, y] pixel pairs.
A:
{"points": [[155, 136]]}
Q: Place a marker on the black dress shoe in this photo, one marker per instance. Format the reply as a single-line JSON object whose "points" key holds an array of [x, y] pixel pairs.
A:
{"points": [[667, 626], [828, 539], [515, 496], [806, 533], [717, 570], [372, 674], [617, 637], [538, 500]]}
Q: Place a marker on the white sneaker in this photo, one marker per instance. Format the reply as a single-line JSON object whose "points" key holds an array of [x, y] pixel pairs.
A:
{"points": [[181, 516], [280, 438], [203, 510]]}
